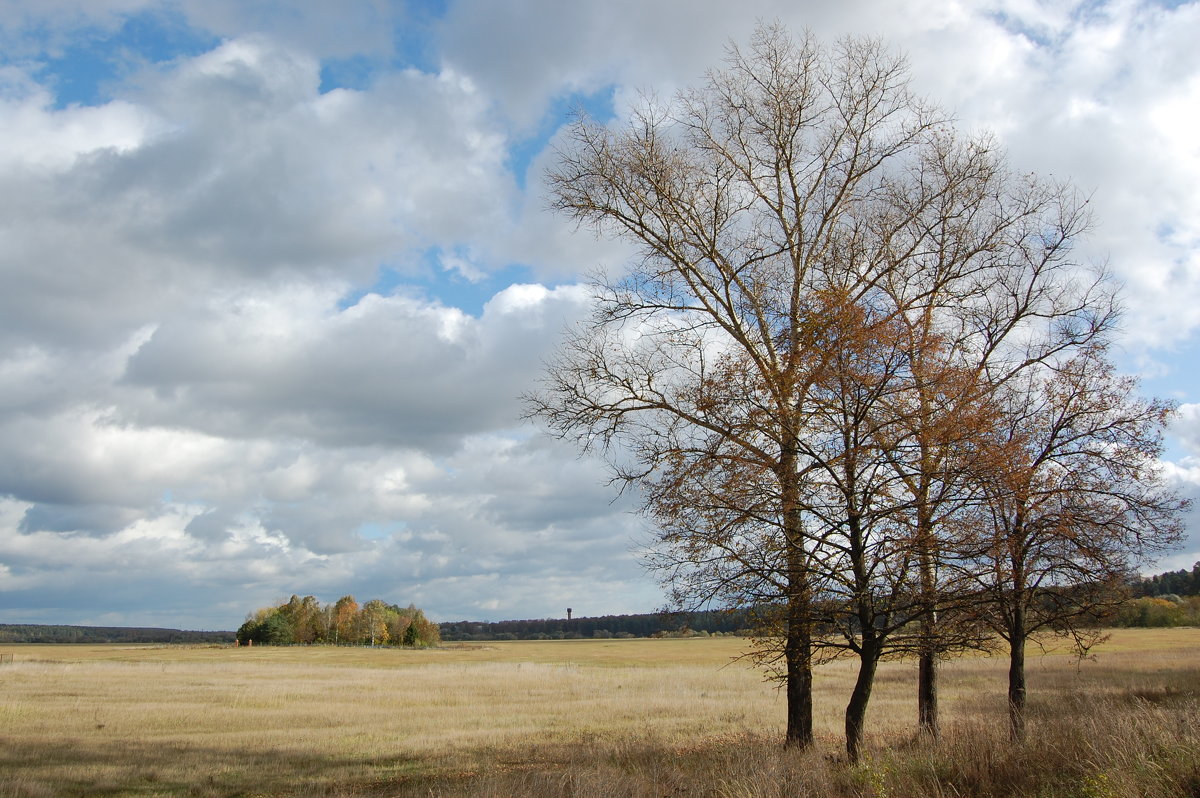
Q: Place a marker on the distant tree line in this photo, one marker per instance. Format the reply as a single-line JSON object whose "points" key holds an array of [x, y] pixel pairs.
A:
{"points": [[1167, 599], [1179, 583], [1171, 598], [305, 621], [53, 633], [674, 624]]}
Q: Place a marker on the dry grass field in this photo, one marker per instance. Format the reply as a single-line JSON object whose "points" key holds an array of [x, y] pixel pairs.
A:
{"points": [[602, 717]]}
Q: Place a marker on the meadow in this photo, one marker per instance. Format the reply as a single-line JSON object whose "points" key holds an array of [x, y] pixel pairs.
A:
{"points": [[674, 717]]}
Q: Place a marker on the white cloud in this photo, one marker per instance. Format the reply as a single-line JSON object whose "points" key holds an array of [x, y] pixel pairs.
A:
{"points": [[230, 169], [387, 370], [208, 397], [328, 30], [38, 138], [1186, 427]]}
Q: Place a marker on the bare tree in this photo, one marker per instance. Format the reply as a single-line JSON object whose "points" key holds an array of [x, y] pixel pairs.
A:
{"points": [[985, 288], [1075, 500]]}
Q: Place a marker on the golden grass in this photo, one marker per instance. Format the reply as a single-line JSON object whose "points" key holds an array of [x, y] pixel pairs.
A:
{"points": [[604, 717]]}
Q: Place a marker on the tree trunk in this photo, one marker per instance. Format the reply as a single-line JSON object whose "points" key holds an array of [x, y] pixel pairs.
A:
{"points": [[1016, 677], [798, 645], [856, 710], [798, 653], [927, 694], [927, 689]]}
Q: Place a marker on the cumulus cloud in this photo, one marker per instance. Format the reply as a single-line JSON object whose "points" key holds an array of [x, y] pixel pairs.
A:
{"points": [[387, 370], [232, 168], [1186, 427], [1101, 94], [190, 386], [324, 29]]}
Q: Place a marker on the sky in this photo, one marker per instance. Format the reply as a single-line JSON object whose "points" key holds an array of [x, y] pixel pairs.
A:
{"points": [[274, 274]]}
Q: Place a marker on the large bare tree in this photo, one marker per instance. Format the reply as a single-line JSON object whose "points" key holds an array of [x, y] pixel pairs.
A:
{"points": [[700, 361]]}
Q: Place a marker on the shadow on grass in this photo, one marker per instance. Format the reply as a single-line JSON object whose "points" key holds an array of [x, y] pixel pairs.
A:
{"points": [[121, 767], [1109, 749]]}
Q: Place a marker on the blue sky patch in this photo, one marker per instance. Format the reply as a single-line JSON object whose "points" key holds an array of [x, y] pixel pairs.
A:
{"points": [[87, 70], [436, 283], [598, 105], [357, 73]]}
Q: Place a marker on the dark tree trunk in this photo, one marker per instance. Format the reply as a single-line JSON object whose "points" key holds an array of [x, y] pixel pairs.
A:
{"points": [[1016, 676], [927, 689], [798, 645], [798, 653], [856, 710], [927, 694]]}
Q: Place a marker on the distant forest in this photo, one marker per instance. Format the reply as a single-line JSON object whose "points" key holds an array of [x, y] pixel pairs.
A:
{"points": [[1171, 598], [661, 624], [1179, 583], [1167, 599], [46, 633]]}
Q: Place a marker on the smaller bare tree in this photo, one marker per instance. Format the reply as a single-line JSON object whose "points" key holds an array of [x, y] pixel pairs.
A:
{"points": [[1075, 500]]}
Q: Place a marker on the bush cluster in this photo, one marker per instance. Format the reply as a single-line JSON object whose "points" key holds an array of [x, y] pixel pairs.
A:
{"points": [[345, 622], [1158, 611]]}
